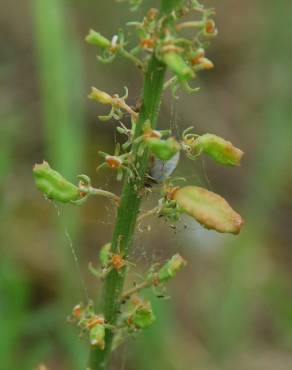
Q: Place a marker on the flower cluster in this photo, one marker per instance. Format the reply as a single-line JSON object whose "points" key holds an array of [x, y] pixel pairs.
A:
{"points": [[167, 37], [136, 313]]}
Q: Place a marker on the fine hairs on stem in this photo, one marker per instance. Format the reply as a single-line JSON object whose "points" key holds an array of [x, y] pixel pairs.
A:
{"points": [[146, 159]]}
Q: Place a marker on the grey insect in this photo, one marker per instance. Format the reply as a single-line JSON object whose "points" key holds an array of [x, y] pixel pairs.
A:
{"points": [[161, 170]]}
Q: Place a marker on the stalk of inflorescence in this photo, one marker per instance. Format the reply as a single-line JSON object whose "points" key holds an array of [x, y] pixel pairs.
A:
{"points": [[131, 199], [148, 154]]}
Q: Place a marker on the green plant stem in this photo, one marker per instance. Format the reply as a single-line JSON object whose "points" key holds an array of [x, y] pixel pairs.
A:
{"points": [[131, 199], [129, 208]]}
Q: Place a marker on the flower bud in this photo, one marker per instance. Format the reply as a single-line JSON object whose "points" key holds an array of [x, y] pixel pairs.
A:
{"points": [[95, 38], [77, 311], [209, 209], [198, 54], [113, 162], [104, 254], [171, 267], [210, 28], [54, 185], [177, 65], [222, 151], [163, 149], [142, 316], [96, 336], [204, 63]]}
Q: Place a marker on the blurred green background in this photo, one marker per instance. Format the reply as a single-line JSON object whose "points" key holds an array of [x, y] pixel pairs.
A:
{"points": [[231, 307]]}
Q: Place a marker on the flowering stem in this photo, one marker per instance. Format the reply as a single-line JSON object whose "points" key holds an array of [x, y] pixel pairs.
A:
{"points": [[131, 199], [128, 210]]}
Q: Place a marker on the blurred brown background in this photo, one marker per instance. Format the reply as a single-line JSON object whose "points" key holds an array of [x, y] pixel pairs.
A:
{"points": [[231, 307]]}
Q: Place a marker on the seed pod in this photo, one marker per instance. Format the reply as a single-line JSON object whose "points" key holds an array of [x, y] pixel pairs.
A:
{"points": [[104, 254], [171, 267], [96, 336], [163, 149], [209, 209], [143, 316], [54, 185], [100, 96], [177, 65], [95, 38], [222, 151]]}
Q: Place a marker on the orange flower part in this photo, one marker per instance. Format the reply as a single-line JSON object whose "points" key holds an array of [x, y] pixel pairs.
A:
{"points": [[117, 261], [113, 161]]}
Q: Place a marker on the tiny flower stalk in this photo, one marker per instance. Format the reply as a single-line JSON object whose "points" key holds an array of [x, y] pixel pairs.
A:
{"points": [[147, 158]]}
